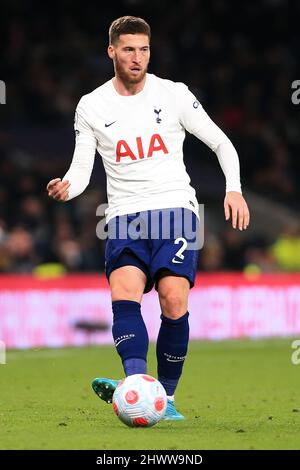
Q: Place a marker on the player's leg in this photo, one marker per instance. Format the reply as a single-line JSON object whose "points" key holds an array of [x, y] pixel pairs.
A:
{"points": [[173, 266], [173, 337], [126, 260], [130, 335], [127, 284]]}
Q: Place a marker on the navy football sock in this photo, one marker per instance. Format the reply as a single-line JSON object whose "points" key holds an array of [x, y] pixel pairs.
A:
{"points": [[135, 366], [130, 336], [171, 349]]}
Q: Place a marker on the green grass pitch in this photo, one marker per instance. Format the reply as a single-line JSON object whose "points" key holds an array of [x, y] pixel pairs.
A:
{"points": [[234, 394]]}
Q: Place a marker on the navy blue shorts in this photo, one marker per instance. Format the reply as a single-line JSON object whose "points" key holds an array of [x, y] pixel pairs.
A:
{"points": [[159, 242]]}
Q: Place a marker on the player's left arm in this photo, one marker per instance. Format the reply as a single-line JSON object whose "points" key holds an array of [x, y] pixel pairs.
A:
{"points": [[236, 207], [197, 122]]}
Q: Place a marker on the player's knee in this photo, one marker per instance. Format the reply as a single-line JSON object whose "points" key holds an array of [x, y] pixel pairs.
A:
{"points": [[122, 289], [125, 292], [127, 283], [173, 305]]}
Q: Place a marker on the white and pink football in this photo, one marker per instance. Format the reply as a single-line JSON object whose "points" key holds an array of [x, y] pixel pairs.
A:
{"points": [[140, 401]]}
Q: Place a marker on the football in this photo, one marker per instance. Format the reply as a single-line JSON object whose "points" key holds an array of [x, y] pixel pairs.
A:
{"points": [[140, 401]]}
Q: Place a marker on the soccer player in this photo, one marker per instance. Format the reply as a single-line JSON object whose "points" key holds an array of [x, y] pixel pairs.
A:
{"points": [[137, 122]]}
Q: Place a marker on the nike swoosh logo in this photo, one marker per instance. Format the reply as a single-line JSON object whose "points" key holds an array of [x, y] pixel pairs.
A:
{"points": [[125, 339], [176, 261], [175, 360], [110, 124]]}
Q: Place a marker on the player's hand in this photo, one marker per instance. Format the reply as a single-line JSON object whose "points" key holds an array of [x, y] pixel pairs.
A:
{"points": [[236, 206], [58, 189]]}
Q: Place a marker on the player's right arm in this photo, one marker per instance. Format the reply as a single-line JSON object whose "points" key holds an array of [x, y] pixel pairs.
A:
{"points": [[78, 175], [58, 189]]}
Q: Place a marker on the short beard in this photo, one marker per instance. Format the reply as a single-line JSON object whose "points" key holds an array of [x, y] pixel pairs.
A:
{"points": [[124, 77]]}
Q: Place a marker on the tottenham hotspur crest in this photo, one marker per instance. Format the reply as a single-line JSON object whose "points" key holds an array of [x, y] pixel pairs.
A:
{"points": [[157, 112]]}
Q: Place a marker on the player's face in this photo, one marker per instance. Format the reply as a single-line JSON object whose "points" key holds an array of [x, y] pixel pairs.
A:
{"points": [[131, 57]]}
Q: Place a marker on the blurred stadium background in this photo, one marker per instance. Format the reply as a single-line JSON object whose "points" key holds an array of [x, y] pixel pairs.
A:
{"points": [[240, 62]]}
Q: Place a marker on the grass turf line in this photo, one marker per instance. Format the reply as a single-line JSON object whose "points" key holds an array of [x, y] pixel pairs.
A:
{"points": [[234, 394]]}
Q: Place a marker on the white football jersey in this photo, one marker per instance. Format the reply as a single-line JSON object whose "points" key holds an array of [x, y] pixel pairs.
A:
{"points": [[140, 139]]}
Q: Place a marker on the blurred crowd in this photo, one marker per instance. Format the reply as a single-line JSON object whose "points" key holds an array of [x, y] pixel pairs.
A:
{"points": [[36, 231], [240, 61]]}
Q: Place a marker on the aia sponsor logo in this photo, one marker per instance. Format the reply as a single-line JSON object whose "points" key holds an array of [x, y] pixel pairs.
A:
{"points": [[141, 149]]}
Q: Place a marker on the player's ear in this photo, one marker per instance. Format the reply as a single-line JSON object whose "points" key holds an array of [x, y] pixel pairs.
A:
{"points": [[111, 52]]}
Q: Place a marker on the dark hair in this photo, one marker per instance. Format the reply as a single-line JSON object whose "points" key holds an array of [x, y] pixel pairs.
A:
{"points": [[128, 25]]}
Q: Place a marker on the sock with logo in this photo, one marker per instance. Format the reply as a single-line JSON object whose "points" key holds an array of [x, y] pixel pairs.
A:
{"points": [[171, 350], [130, 336]]}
